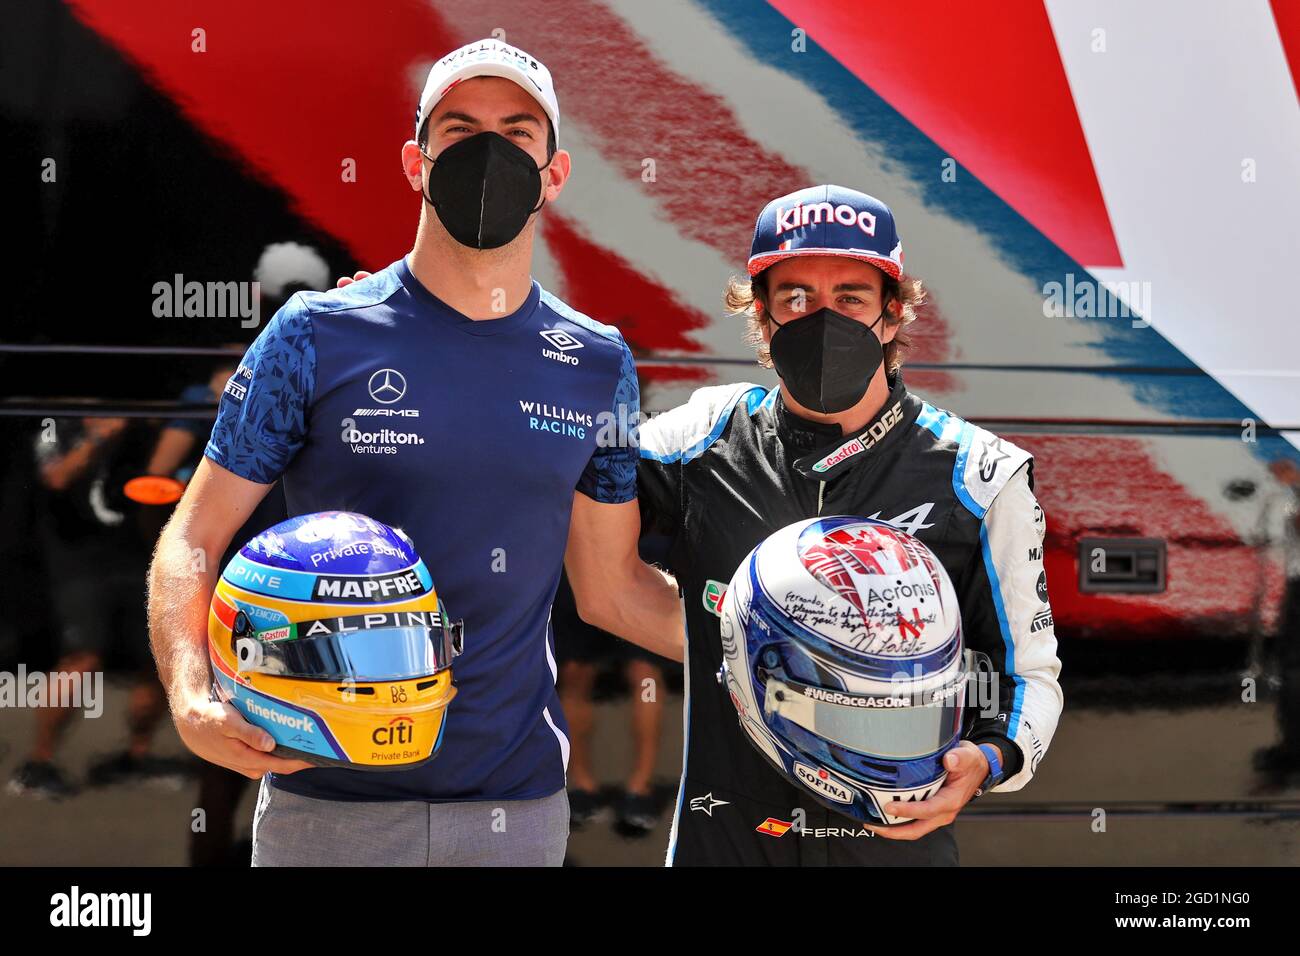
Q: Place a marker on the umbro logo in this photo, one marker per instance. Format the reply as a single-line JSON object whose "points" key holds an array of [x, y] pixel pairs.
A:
{"points": [[561, 339], [563, 342]]}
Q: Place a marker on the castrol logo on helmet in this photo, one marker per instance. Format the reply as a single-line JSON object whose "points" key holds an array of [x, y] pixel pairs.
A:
{"points": [[799, 215]]}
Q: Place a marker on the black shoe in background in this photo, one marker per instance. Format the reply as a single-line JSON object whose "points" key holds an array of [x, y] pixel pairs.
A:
{"points": [[40, 779], [167, 772], [637, 815], [584, 807]]}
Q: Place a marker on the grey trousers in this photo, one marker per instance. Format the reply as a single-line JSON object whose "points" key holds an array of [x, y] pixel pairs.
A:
{"points": [[289, 830]]}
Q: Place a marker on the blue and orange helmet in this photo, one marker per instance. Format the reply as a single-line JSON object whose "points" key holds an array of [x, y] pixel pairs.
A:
{"points": [[326, 631]]}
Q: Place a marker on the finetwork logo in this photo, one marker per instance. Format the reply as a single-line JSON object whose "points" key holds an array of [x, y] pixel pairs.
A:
{"points": [[74, 909], [297, 722]]}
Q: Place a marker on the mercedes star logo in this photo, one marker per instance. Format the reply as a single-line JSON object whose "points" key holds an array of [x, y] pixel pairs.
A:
{"points": [[388, 385]]}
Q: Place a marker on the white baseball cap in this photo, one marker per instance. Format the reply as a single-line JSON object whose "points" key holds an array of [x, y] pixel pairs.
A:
{"points": [[489, 58]]}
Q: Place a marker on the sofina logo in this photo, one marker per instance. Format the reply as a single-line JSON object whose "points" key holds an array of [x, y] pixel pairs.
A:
{"points": [[713, 593], [823, 783]]}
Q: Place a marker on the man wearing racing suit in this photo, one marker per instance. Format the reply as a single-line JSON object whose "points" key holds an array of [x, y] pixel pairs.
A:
{"points": [[737, 462]]}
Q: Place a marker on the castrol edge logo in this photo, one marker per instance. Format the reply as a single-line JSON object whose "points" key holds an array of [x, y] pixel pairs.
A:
{"points": [[817, 213], [876, 431]]}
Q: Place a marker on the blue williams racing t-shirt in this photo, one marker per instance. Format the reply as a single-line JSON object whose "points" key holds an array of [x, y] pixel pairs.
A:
{"points": [[472, 437]]}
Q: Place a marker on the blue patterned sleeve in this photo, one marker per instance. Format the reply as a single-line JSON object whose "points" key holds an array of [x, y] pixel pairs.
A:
{"points": [[610, 475], [262, 416]]}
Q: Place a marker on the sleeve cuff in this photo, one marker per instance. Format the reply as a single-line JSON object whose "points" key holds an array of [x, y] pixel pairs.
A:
{"points": [[1013, 759]]}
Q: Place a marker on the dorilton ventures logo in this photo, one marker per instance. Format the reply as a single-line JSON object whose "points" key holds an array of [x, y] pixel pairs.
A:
{"points": [[383, 441]]}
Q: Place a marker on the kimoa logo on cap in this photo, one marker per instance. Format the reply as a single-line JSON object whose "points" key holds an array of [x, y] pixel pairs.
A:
{"points": [[823, 212]]}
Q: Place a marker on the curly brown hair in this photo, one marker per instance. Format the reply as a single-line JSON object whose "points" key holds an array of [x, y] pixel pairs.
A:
{"points": [[742, 292]]}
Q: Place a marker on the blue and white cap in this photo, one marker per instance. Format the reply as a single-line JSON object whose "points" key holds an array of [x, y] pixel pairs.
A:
{"points": [[827, 221]]}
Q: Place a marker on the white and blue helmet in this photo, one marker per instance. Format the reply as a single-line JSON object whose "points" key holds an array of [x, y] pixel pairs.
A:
{"points": [[842, 647]]}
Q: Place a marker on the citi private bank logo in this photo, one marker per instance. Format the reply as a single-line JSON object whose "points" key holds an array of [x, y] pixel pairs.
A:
{"points": [[562, 343]]}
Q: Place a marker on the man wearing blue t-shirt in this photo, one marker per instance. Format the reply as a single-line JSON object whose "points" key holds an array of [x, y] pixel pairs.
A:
{"points": [[451, 396]]}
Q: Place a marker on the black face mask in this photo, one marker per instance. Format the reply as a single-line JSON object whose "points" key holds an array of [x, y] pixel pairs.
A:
{"points": [[827, 360], [483, 189]]}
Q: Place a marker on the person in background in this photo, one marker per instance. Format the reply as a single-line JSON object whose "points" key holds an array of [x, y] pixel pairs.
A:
{"points": [[283, 269], [1280, 522], [97, 550], [582, 650]]}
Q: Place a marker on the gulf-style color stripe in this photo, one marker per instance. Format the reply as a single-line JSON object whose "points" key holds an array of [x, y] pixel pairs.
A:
{"points": [[299, 585]]}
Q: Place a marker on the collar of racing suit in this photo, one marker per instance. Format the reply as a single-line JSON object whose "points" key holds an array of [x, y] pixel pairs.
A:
{"points": [[826, 452]]}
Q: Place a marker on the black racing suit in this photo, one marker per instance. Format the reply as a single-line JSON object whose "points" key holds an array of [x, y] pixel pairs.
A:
{"points": [[721, 473]]}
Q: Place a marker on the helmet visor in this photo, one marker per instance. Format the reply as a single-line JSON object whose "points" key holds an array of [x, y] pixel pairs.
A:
{"points": [[374, 654], [895, 726]]}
